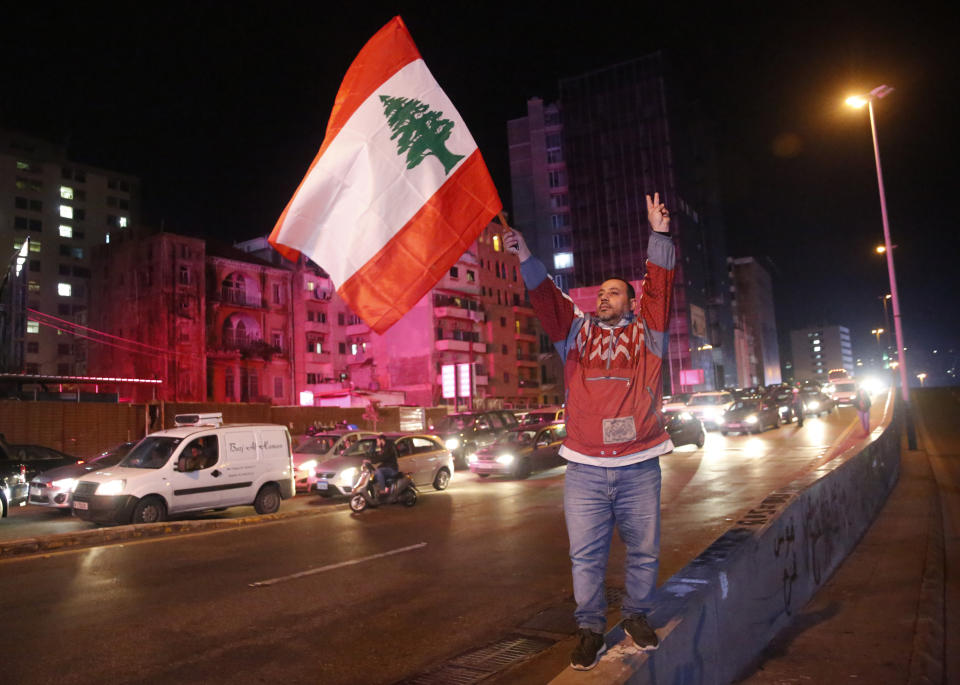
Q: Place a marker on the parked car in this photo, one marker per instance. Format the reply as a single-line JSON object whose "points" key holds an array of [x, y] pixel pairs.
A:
{"points": [[520, 451], [20, 463], [319, 448], [750, 416], [54, 487], [421, 455], [709, 406], [782, 397], [542, 415], [815, 402], [684, 428], [676, 402], [13, 483], [466, 432]]}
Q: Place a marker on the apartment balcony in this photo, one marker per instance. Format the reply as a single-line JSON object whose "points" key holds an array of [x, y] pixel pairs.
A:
{"points": [[237, 298], [459, 313], [450, 345], [316, 326], [528, 386], [318, 357], [524, 308], [357, 329], [359, 358], [527, 360], [525, 334]]}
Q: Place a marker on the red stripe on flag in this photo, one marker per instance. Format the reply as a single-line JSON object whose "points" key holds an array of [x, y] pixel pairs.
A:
{"points": [[418, 256], [390, 50]]}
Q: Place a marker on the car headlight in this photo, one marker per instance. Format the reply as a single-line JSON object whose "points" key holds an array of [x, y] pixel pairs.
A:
{"points": [[711, 413], [505, 459], [721, 420], [471, 458], [348, 476], [784, 410], [686, 416], [111, 487], [307, 465], [68, 484], [813, 405], [751, 419], [451, 443]]}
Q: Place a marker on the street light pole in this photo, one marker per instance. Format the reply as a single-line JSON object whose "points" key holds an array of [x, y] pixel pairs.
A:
{"points": [[876, 93]]}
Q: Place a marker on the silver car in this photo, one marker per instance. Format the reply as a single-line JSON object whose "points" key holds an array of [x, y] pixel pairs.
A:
{"points": [[319, 448], [54, 487], [422, 455]]}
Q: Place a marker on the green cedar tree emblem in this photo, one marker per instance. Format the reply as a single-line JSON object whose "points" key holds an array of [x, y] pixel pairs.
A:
{"points": [[419, 131]]}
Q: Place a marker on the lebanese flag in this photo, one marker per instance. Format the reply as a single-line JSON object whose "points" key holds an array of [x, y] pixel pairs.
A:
{"points": [[398, 191]]}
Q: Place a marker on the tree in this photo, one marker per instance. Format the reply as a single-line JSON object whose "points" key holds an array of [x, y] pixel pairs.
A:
{"points": [[419, 131]]}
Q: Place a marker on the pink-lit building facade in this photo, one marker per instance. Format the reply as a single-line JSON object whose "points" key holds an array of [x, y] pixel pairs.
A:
{"points": [[239, 324]]}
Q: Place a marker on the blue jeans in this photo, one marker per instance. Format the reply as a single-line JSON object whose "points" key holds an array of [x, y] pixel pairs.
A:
{"points": [[595, 499], [380, 477]]}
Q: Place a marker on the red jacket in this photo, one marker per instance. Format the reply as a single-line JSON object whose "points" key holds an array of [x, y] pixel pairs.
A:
{"points": [[613, 401]]}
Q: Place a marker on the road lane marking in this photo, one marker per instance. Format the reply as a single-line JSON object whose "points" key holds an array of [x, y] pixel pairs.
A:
{"points": [[331, 567]]}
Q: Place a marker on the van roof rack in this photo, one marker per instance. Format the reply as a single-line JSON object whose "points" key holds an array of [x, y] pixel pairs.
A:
{"points": [[213, 419]]}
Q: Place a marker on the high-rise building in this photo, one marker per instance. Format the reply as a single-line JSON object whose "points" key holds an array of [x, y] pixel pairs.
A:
{"points": [[580, 170], [65, 208], [817, 350], [753, 306]]}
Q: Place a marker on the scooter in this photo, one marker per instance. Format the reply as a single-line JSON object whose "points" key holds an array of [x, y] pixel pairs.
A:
{"points": [[400, 490]]}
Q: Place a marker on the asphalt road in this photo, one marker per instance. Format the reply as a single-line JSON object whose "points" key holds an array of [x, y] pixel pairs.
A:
{"points": [[342, 598]]}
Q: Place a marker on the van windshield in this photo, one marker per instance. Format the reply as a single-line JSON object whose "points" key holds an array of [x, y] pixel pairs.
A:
{"points": [[150, 453]]}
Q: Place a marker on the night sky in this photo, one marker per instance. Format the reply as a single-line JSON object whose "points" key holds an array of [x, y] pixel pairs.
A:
{"points": [[219, 109]]}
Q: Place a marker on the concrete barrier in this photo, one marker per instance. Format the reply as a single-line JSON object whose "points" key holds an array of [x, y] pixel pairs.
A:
{"points": [[716, 615]]}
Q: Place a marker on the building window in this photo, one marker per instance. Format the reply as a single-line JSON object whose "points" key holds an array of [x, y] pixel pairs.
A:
{"points": [[33, 327], [561, 240], [276, 340], [563, 260], [66, 212], [471, 276], [340, 319], [556, 178], [64, 289], [184, 276], [554, 156], [33, 347], [33, 286], [506, 376], [559, 200], [278, 387], [228, 387], [276, 293], [66, 231], [122, 221], [66, 192], [454, 272], [342, 348]]}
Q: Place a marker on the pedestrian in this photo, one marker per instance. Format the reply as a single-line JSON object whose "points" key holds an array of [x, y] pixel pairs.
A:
{"points": [[615, 433], [798, 407], [862, 404]]}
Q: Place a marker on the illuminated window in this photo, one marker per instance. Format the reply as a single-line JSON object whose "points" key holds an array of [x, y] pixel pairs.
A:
{"points": [[64, 289], [816, 342], [122, 221], [34, 245], [107, 238], [66, 192], [816, 348], [311, 285], [33, 287], [33, 327], [496, 243], [562, 260], [66, 212], [66, 231]]}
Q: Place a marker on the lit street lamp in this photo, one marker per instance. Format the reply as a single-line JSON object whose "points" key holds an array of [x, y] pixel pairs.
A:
{"points": [[922, 377], [859, 101]]}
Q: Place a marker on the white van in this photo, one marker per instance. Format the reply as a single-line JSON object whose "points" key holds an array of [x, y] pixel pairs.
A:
{"points": [[191, 468]]}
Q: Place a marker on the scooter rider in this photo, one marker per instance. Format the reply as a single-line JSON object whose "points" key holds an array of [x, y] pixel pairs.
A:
{"points": [[384, 457]]}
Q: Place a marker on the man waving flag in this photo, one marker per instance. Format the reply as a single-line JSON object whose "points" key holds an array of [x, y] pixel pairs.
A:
{"points": [[398, 190]]}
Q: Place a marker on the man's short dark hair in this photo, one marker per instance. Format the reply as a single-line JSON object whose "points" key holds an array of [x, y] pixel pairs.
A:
{"points": [[631, 293]]}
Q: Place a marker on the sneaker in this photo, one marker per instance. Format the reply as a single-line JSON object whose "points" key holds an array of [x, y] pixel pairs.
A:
{"points": [[640, 631], [588, 652]]}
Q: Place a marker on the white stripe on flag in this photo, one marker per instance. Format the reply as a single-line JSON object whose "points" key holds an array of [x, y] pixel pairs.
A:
{"points": [[360, 193]]}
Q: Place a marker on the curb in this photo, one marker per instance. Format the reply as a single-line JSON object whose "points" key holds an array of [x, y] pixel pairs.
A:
{"points": [[23, 547]]}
